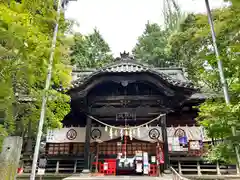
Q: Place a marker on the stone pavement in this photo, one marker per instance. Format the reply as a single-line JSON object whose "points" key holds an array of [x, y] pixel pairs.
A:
{"points": [[165, 177]]}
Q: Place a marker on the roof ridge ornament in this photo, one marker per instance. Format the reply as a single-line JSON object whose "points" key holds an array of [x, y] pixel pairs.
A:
{"points": [[124, 54], [125, 57]]}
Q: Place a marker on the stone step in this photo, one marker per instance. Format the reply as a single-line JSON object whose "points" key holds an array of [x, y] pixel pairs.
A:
{"points": [[79, 177]]}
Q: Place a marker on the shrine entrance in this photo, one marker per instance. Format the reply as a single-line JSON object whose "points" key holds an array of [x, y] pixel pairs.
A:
{"points": [[128, 99], [124, 156], [131, 150]]}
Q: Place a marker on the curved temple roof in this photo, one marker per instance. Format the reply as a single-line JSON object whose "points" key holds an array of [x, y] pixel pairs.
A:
{"points": [[126, 64]]}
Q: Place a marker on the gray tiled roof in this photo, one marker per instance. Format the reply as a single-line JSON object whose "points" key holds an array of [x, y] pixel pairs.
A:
{"points": [[205, 95], [125, 67], [173, 76]]}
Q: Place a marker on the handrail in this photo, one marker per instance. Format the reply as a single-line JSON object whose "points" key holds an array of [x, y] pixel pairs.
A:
{"points": [[176, 175]]}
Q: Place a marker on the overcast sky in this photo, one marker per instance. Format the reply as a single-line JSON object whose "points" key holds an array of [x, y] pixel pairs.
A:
{"points": [[122, 21]]}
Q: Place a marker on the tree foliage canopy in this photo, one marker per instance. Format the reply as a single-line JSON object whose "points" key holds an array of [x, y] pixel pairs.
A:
{"points": [[190, 46], [90, 51], [193, 46], [26, 29], [152, 46]]}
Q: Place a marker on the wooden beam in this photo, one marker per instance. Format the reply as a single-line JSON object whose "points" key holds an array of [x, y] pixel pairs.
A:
{"points": [[126, 104], [139, 111], [113, 118], [130, 105], [131, 100], [158, 98]]}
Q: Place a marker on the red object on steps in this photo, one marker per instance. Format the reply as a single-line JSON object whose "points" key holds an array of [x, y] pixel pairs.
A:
{"points": [[153, 170], [111, 167], [20, 170]]}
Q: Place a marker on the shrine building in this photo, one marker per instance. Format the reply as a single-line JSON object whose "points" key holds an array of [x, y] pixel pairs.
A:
{"points": [[126, 118]]}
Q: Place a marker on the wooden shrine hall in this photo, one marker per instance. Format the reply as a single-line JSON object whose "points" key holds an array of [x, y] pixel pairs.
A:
{"points": [[123, 111]]}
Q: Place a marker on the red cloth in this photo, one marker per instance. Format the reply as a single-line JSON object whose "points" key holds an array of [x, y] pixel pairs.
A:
{"points": [[161, 158], [160, 155]]}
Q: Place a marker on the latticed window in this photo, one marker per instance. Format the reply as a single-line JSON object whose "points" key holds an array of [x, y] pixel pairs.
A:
{"points": [[57, 149], [78, 148]]}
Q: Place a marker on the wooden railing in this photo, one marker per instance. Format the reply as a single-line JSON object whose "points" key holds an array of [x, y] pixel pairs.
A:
{"points": [[177, 176], [188, 166]]}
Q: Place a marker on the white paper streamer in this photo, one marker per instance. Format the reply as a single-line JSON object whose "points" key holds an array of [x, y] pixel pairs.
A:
{"points": [[111, 133], [130, 134], [134, 131], [121, 133], [126, 132], [116, 132], [138, 132]]}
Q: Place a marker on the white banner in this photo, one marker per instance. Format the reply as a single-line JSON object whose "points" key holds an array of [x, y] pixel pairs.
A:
{"points": [[73, 134], [77, 134], [191, 132]]}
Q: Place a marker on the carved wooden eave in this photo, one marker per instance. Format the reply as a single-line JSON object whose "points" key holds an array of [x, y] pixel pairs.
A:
{"points": [[127, 67]]}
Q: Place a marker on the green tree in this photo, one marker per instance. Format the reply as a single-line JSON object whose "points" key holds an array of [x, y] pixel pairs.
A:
{"points": [[152, 46], [193, 46], [234, 2], [26, 29], [90, 51]]}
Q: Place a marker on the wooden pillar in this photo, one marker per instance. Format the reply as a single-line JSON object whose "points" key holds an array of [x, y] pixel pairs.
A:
{"points": [[87, 145], [238, 169], [157, 158], [179, 168], [199, 168], [165, 142], [57, 167], [97, 154], [75, 167], [218, 169]]}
